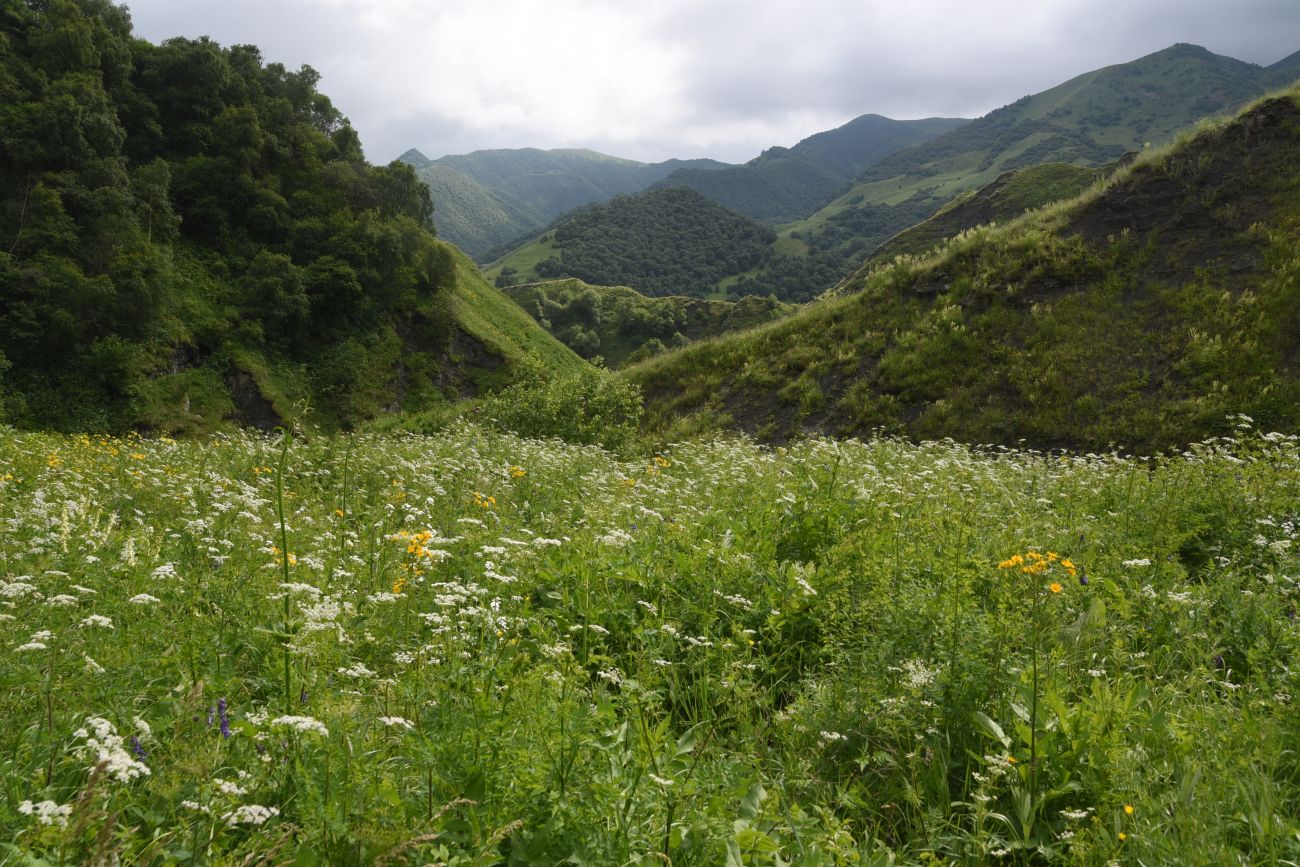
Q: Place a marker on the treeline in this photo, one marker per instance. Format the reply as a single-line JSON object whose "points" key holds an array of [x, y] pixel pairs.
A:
{"points": [[162, 204], [662, 242]]}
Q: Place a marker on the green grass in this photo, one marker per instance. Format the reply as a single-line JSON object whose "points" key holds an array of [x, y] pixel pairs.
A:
{"points": [[479, 649]]}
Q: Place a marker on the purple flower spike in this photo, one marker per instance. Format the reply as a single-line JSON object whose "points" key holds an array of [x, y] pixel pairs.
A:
{"points": [[137, 748], [225, 720]]}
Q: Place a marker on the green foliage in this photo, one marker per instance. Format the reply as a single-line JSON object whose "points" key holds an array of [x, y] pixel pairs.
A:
{"points": [[621, 325], [476, 649], [165, 206], [589, 408], [663, 242]]}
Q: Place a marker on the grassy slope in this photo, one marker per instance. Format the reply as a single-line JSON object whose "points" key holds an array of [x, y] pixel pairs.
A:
{"points": [[1006, 198], [626, 319], [1140, 313], [467, 339], [1091, 119]]}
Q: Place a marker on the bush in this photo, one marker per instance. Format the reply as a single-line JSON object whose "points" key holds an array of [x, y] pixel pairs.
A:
{"points": [[591, 408]]}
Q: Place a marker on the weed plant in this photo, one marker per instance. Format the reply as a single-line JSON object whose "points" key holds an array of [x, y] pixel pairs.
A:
{"points": [[513, 651]]}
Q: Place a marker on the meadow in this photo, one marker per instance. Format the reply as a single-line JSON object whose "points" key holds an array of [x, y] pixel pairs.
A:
{"points": [[475, 648]]}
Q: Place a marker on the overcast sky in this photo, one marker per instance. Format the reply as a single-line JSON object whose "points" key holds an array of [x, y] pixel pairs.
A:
{"points": [[652, 79]]}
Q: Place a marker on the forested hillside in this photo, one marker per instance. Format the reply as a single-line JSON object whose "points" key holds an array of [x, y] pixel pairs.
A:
{"points": [[622, 325], [190, 234], [670, 241], [489, 200], [1139, 314]]}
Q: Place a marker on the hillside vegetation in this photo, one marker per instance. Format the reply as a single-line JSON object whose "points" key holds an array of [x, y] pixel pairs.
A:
{"points": [[620, 324], [190, 236], [1139, 314], [476, 649], [1006, 198], [783, 184], [487, 200], [670, 241]]}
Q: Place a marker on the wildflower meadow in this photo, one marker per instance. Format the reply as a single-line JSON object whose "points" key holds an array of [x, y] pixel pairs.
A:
{"points": [[472, 648]]}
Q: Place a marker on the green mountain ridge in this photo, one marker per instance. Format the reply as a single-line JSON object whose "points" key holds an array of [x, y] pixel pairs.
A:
{"points": [[783, 184], [488, 199], [190, 237], [620, 324], [1091, 119], [1142, 313]]}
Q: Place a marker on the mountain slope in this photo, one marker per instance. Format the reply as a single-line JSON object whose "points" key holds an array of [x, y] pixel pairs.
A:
{"points": [[1141, 313], [669, 241], [488, 198], [1091, 119], [618, 323], [788, 183], [1006, 198], [1285, 71]]}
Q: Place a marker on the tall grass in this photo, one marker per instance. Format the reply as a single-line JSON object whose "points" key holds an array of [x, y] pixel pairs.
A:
{"points": [[514, 651]]}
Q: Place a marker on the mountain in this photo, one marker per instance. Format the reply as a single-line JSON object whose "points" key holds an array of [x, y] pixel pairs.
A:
{"points": [[1140, 313], [486, 199], [191, 237], [783, 184], [1285, 71], [1089, 120], [1006, 198], [620, 324], [670, 241]]}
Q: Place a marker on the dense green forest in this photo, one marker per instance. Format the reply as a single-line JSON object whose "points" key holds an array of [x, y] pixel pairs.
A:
{"points": [[1140, 313], [187, 230], [670, 241], [622, 325]]}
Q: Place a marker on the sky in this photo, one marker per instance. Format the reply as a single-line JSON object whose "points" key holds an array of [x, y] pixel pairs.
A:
{"points": [[654, 79]]}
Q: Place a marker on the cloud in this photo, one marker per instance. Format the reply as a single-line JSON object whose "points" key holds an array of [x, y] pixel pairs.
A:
{"points": [[722, 78]]}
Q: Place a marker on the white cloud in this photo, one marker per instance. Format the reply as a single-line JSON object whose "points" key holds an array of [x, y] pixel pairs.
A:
{"points": [[722, 78]]}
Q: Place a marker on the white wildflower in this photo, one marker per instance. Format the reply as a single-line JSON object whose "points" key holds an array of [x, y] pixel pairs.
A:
{"points": [[397, 722], [98, 620], [302, 724], [250, 814], [47, 812], [143, 599]]}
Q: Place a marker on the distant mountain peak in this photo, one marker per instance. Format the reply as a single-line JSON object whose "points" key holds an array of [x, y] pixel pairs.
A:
{"points": [[413, 157]]}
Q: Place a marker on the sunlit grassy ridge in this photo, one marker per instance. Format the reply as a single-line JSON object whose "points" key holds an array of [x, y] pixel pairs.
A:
{"points": [[511, 651]]}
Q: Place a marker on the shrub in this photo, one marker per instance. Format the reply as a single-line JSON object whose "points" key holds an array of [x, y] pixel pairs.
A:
{"points": [[590, 408]]}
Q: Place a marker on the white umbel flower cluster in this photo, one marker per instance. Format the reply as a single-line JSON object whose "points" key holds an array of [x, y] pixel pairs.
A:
{"points": [[47, 812], [302, 724], [105, 746], [250, 814]]}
